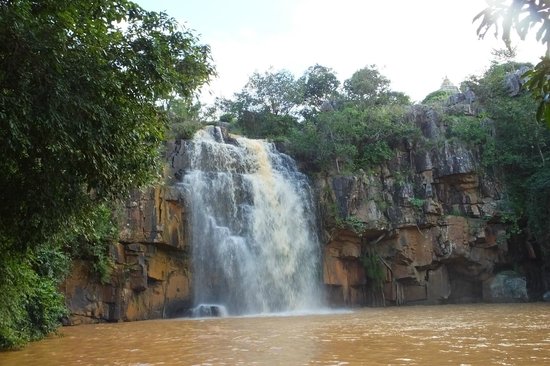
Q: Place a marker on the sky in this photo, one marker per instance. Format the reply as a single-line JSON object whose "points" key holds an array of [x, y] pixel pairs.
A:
{"points": [[414, 43]]}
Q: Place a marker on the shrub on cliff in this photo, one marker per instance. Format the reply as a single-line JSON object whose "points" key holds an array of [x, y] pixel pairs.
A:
{"points": [[351, 139]]}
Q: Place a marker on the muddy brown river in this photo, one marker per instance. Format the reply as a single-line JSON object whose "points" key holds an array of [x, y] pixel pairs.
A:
{"points": [[507, 334]]}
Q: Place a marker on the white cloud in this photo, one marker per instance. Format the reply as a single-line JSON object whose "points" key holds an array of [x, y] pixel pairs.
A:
{"points": [[414, 43]]}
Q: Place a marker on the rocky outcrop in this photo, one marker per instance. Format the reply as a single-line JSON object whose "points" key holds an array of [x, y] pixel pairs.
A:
{"points": [[431, 218], [428, 219], [150, 276]]}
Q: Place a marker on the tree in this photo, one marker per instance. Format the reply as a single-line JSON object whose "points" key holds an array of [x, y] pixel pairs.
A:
{"points": [[317, 86], [266, 106], [273, 91], [367, 85], [521, 15], [351, 138], [78, 104], [81, 85], [183, 118], [524, 15]]}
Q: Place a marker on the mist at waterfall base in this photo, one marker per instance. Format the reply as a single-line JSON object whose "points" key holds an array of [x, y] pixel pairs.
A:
{"points": [[253, 233]]}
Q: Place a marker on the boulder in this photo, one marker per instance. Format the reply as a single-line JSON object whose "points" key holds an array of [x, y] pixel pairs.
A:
{"points": [[507, 286]]}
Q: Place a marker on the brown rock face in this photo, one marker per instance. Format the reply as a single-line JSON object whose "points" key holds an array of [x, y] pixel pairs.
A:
{"points": [[342, 271], [150, 277], [428, 216]]}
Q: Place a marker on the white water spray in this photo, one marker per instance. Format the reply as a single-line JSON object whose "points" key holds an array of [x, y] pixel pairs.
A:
{"points": [[253, 234]]}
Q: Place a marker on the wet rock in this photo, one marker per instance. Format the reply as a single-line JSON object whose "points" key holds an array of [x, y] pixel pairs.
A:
{"points": [[208, 310], [506, 286]]}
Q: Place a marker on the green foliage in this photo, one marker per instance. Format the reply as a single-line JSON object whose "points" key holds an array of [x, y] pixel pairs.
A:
{"points": [[81, 89], [374, 153], [227, 117], [351, 139], [79, 105], [184, 130], [473, 131], [352, 222], [417, 203], [437, 97], [520, 15], [318, 85], [367, 85], [520, 143], [265, 124], [45, 307], [517, 149], [539, 86], [306, 145], [374, 269], [183, 119], [91, 237], [510, 216], [52, 260], [275, 105], [30, 305], [264, 108], [538, 208], [273, 92], [466, 128], [523, 16]]}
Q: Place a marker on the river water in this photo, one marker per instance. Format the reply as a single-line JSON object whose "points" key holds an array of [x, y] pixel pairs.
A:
{"points": [[504, 334]]}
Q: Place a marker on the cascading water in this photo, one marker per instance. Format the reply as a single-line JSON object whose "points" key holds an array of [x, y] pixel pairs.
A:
{"points": [[252, 222]]}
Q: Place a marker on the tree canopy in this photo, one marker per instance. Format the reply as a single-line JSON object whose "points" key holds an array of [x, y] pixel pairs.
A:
{"points": [[82, 84], [522, 16], [325, 126], [367, 85], [79, 87], [317, 86]]}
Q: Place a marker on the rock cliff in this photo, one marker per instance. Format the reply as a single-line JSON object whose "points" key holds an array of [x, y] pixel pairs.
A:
{"points": [[150, 278], [429, 217], [423, 228]]}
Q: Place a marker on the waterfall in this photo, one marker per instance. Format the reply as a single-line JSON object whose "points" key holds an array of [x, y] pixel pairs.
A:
{"points": [[252, 227]]}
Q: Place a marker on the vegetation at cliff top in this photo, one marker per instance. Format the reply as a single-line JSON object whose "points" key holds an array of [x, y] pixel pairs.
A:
{"points": [[523, 16], [328, 127], [82, 85]]}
